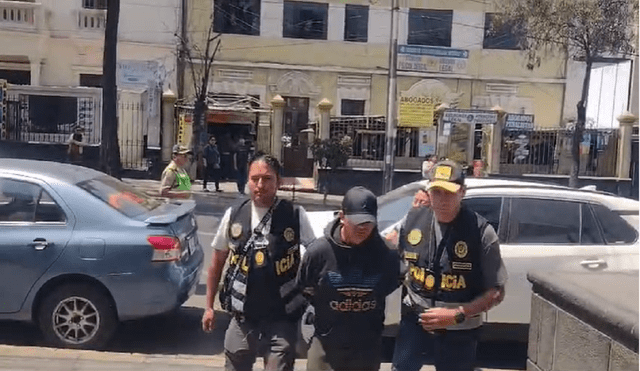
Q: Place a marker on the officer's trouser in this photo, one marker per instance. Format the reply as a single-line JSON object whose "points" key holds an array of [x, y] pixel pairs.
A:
{"points": [[354, 358], [243, 340], [452, 350]]}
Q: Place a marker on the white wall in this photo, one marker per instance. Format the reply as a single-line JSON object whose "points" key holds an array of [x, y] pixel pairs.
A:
{"points": [[608, 92], [149, 21]]}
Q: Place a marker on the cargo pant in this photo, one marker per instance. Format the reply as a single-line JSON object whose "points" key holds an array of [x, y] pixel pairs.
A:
{"points": [[244, 341]]}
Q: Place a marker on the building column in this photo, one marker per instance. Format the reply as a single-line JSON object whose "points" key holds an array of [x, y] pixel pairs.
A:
{"points": [[36, 66], [627, 119], [277, 126], [325, 107], [495, 144], [168, 124], [441, 141]]}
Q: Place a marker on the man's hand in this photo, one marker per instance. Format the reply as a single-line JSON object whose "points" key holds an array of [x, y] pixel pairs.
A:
{"points": [[421, 199], [437, 318], [393, 237], [208, 320]]}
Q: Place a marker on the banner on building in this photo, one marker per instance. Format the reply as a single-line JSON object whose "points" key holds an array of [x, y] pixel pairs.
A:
{"points": [[518, 122], [415, 112], [432, 59], [185, 129]]}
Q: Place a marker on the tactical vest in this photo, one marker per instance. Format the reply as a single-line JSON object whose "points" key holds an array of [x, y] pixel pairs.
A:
{"points": [[457, 277], [282, 254]]}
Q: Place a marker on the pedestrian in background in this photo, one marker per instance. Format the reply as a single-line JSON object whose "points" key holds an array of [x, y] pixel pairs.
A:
{"points": [[427, 165], [347, 274], [212, 164], [175, 182], [240, 161], [264, 236], [75, 145], [455, 272]]}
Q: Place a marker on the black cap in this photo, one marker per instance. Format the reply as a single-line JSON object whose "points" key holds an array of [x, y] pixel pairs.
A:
{"points": [[359, 205], [447, 175]]}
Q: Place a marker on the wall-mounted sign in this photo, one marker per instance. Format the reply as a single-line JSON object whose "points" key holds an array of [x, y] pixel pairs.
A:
{"points": [[470, 116], [185, 129], [415, 112], [432, 59], [518, 122]]}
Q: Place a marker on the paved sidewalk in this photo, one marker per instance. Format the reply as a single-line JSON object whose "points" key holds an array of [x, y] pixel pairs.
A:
{"points": [[37, 358]]}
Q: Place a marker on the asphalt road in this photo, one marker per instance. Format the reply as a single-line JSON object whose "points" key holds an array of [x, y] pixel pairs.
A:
{"points": [[180, 333]]}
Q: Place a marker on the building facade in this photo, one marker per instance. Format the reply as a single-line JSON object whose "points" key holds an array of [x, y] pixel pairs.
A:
{"points": [[53, 50], [307, 51], [60, 43]]}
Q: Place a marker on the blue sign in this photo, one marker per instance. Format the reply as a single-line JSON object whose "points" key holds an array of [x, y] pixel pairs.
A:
{"points": [[434, 51]]}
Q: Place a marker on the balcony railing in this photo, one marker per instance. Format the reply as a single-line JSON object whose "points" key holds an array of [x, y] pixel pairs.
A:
{"points": [[19, 15], [92, 19]]}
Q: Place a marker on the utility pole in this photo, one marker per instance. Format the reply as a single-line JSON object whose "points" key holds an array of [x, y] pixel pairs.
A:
{"points": [[181, 63], [109, 149], [392, 103]]}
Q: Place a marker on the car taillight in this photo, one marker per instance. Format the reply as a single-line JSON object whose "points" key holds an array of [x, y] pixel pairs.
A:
{"points": [[165, 248]]}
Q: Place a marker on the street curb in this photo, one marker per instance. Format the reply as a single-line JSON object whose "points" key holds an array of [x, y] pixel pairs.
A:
{"points": [[103, 356]]}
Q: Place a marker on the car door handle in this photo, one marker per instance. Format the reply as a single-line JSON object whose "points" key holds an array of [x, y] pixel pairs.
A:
{"points": [[40, 244], [594, 264]]}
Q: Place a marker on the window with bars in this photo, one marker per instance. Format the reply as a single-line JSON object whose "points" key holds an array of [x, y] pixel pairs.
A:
{"points": [[94, 4], [430, 27], [356, 23], [303, 20], [237, 17], [352, 107]]}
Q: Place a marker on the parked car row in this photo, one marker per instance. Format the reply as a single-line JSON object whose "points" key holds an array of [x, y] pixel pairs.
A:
{"points": [[82, 250]]}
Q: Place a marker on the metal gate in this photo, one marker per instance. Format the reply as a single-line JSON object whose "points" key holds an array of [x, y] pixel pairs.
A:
{"points": [[548, 151]]}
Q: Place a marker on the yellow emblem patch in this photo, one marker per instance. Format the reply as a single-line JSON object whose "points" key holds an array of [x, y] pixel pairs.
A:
{"points": [[461, 249], [414, 237], [411, 255], [429, 281], [236, 230], [259, 258], [442, 173], [289, 234]]}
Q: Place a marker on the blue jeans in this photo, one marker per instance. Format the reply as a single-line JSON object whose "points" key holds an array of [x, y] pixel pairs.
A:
{"points": [[451, 350]]}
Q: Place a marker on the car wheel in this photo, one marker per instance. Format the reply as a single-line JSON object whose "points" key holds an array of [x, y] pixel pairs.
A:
{"points": [[77, 316]]}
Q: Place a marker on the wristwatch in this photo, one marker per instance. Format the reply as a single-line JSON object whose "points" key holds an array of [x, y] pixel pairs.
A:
{"points": [[459, 317]]}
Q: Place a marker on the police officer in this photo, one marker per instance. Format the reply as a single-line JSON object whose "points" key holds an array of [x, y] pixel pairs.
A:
{"points": [[264, 237], [455, 272], [175, 181], [348, 273]]}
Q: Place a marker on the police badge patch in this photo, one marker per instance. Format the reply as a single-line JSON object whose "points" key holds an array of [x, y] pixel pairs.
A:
{"points": [[236, 230], [289, 234], [461, 249], [429, 281], [259, 258], [414, 237]]}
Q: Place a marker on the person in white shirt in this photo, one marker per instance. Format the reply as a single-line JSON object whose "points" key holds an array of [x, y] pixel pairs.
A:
{"points": [[265, 236]]}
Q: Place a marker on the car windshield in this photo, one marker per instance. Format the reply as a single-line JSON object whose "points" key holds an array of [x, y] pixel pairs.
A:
{"points": [[394, 205], [119, 195]]}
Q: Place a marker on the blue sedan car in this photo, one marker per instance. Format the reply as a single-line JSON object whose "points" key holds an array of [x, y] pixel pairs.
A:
{"points": [[81, 251]]}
